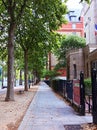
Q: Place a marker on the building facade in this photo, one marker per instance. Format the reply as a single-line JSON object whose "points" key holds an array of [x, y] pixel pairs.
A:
{"points": [[52, 61], [89, 57], [74, 64], [89, 13], [85, 59], [73, 27], [74, 57]]}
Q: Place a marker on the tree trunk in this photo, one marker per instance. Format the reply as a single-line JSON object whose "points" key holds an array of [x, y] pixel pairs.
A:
{"points": [[15, 77], [20, 80], [2, 77], [10, 80], [26, 69]]}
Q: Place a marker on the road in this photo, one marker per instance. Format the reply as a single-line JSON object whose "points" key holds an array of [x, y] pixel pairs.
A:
{"points": [[2, 91]]}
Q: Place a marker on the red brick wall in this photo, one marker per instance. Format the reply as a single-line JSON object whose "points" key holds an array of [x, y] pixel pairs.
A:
{"points": [[68, 28], [62, 71]]}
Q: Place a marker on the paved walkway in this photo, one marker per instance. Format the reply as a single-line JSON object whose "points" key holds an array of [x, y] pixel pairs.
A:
{"points": [[48, 112]]}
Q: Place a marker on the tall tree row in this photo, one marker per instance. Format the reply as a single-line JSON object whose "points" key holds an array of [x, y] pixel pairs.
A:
{"points": [[34, 22], [47, 13]]}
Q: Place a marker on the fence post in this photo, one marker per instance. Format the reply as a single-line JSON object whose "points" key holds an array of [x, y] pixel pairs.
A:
{"points": [[94, 94], [82, 94]]}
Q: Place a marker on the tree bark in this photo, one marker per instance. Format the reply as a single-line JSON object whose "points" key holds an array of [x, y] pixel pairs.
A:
{"points": [[2, 77], [20, 80], [26, 69], [10, 80], [14, 77]]}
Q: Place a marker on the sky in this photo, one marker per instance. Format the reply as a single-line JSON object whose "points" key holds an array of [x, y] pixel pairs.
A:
{"points": [[74, 4]]}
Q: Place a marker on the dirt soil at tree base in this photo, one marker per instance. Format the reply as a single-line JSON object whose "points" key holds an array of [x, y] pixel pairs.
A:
{"points": [[12, 112]]}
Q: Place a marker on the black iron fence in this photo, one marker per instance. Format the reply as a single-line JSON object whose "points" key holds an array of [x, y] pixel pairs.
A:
{"points": [[94, 94], [74, 91], [69, 90]]}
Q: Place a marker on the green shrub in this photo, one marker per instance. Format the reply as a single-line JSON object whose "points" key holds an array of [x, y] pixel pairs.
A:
{"points": [[88, 86], [50, 73]]}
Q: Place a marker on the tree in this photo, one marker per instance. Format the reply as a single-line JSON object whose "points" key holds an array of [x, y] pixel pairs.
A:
{"points": [[35, 33], [14, 10], [30, 35], [3, 57], [49, 12], [19, 62], [68, 43], [50, 74], [38, 60], [88, 1]]}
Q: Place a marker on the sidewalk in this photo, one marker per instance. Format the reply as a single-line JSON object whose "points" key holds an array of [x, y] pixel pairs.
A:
{"points": [[48, 112]]}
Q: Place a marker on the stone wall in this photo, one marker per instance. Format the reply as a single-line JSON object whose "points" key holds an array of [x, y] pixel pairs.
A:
{"points": [[75, 63]]}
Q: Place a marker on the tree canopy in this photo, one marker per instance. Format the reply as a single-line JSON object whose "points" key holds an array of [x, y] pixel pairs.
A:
{"points": [[34, 22], [68, 43], [88, 1]]}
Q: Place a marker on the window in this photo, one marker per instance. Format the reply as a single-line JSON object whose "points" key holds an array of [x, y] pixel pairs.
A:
{"points": [[73, 18], [73, 26], [75, 71], [87, 70], [85, 35], [94, 64], [74, 33]]}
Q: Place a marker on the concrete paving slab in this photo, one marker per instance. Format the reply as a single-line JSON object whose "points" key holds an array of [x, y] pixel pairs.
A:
{"points": [[48, 112]]}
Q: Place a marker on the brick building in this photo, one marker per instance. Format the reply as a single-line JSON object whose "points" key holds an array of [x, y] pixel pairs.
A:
{"points": [[74, 63], [89, 57], [73, 27], [74, 57], [52, 61], [85, 26], [85, 59]]}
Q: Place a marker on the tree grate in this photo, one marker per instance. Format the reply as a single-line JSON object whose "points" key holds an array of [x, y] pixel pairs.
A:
{"points": [[73, 127]]}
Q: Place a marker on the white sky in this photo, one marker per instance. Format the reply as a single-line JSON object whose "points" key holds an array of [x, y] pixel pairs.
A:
{"points": [[74, 4]]}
